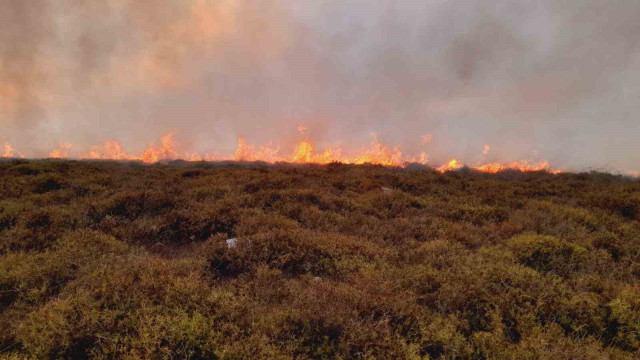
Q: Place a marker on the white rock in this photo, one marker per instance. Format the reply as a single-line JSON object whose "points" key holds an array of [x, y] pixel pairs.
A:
{"points": [[231, 243], [386, 189]]}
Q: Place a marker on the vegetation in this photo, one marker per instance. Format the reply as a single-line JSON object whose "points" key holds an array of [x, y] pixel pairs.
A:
{"points": [[121, 260]]}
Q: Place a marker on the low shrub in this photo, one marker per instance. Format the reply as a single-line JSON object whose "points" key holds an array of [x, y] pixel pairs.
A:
{"points": [[548, 253], [288, 251], [112, 260]]}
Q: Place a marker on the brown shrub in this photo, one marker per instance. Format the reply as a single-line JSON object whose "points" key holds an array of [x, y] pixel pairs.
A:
{"points": [[126, 260]]}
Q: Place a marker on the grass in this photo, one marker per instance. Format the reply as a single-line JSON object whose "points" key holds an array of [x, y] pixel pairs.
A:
{"points": [[121, 260]]}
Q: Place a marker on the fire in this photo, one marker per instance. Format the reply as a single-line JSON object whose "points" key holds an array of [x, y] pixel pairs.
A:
{"points": [[111, 150], [423, 159], [516, 165], [304, 152], [451, 165], [485, 149], [9, 151], [166, 151], [245, 152], [61, 152], [379, 154]]}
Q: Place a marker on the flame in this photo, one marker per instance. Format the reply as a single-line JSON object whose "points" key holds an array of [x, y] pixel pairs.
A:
{"points": [[243, 152], [426, 138], [304, 152], [166, 151], [246, 152], [423, 158], [61, 152], [515, 165], [9, 151], [112, 150], [450, 166], [380, 154]]}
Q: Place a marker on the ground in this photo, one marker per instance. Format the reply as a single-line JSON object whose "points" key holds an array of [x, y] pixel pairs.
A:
{"points": [[125, 260]]}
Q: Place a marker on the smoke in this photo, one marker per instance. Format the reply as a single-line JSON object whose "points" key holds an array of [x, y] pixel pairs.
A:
{"points": [[532, 79]]}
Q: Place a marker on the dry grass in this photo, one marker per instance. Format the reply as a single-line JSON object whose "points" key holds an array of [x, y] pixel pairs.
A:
{"points": [[120, 260]]}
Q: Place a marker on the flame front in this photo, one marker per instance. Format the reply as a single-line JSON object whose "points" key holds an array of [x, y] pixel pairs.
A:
{"points": [[304, 152], [111, 150], [450, 166], [516, 165], [61, 152]]}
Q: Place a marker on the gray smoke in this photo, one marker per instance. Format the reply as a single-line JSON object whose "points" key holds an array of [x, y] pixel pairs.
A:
{"points": [[554, 80]]}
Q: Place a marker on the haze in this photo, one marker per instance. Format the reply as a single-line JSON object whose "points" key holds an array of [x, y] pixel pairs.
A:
{"points": [[533, 80]]}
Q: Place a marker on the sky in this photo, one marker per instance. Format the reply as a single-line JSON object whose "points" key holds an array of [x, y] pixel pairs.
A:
{"points": [[532, 80]]}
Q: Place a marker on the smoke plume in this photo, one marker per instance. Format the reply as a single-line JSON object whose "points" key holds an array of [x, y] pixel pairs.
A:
{"points": [[534, 80]]}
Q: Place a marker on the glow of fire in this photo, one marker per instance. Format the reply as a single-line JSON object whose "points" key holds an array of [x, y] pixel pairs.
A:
{"points": [[61, 152], [450, 166], [303, 153], [9, 151], [485, 149], [515, 165]]}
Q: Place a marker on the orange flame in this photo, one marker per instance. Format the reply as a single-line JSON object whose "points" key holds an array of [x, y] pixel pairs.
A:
{"points": [[245, 152], [450, 166], [516, 165], [423, 158], [380, 154], [111, 150], [61, 152], [303, 153], [166, 151], [9, 151]]}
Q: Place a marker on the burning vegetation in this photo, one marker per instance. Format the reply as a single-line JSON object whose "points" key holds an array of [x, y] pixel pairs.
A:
{"points": [[103, 259], [303, 153]]}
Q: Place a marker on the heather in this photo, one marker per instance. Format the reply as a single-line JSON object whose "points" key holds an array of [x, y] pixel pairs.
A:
{"points": [[124, 260]]}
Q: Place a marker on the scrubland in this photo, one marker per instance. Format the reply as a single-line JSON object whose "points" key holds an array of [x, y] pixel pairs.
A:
{"points": [[109, 260]]}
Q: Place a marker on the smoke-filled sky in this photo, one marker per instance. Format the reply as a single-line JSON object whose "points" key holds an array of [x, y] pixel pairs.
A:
{"points": [[543, 79]]}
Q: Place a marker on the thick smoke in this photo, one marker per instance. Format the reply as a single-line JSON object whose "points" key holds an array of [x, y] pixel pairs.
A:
{"points": [[544, 79]]}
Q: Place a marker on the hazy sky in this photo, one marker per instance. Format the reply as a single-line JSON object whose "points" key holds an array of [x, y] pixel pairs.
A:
{"points": [[560, 79]]}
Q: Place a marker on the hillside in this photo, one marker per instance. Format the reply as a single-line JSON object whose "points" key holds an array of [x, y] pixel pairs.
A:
{"points": [[123, 260]]}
